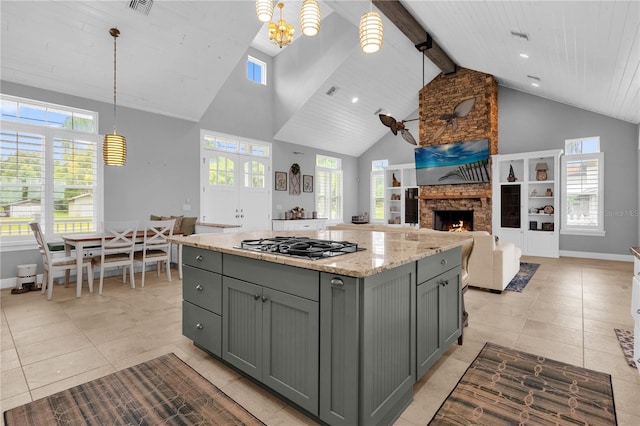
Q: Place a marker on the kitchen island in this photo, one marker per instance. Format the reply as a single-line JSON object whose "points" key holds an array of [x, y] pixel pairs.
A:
{"points": [[344, 338]]}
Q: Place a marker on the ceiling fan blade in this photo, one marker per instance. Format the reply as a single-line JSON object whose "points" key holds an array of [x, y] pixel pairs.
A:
{"points": [[454, 124], [407, 136], [464, 107], [390, 122]]}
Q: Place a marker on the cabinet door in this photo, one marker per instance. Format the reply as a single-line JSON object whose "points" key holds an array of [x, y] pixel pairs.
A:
{"points": [[242, 325], [290, 346], [428, 340], [339, 337], [450, 307]]}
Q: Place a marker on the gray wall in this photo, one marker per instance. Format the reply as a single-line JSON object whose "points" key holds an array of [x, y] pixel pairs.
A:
{"points": [[530, 123], [162, 169]]}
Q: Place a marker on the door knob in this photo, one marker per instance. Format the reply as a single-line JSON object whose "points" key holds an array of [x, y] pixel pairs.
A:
{"points": [[264, 299], [443, 262], [199, 326], [199, 287], [256, 296], [199, 258]]}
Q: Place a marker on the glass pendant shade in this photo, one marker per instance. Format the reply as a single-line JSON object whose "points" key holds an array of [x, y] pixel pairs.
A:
{"points": [[310, 18], [371, 32], [264, 10], [114, 149]]}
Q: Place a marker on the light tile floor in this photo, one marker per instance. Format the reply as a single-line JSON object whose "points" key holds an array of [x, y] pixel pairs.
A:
{"points": [[567, 312]]}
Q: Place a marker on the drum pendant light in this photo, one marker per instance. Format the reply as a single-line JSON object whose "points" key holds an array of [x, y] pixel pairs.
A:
{"points": [[114, 146], [371, 31]]}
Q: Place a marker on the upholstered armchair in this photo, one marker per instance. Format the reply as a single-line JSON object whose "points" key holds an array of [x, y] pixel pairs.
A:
{"points": [[493, 264]]}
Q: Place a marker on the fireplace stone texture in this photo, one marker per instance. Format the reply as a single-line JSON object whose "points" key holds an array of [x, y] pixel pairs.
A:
{"points": [[439, 97]]}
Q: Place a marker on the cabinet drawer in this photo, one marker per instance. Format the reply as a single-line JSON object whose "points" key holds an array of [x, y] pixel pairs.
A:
{"points": [[289, 279], [434, 265], [202, 258], [203, 327], [202, 288]]}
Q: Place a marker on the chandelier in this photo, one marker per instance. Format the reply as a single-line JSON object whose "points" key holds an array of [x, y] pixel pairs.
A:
{"points": [[114, 146], [281, 33]]}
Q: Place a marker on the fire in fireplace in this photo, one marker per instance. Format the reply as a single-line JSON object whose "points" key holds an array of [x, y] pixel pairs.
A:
{"points": [[453, 220]]}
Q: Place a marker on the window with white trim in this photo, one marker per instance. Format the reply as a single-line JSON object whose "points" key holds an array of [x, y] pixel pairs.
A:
{"points": [[48, 169], [377, 190], [256, 70], [329, 198], [582, 187]]}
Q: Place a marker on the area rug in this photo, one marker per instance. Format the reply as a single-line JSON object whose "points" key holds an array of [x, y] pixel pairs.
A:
{"points": [[523, 276], [164, 391], [625, 338], [504, 386]]}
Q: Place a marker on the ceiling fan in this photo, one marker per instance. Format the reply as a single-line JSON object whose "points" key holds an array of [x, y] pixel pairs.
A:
{"points": [[396, 126], [461, 110]]}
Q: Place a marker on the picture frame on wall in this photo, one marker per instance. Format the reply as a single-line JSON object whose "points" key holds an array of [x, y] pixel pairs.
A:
{"points": [[281, 181], [307, 183]]}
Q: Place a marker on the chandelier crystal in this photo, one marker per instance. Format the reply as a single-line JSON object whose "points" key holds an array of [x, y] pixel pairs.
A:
{"points": [[310, 18], [371, 32], [264, 10], [114, 146], [281, 33]]}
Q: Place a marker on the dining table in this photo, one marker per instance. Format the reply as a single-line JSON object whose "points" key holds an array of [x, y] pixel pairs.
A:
{"points": [[82, 241]]}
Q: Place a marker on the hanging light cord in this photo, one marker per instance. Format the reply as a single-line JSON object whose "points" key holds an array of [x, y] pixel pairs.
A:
{"points": [[115, 33]]}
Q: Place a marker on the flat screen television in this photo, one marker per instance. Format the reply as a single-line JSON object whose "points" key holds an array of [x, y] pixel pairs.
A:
{"points": [[453, 163]]}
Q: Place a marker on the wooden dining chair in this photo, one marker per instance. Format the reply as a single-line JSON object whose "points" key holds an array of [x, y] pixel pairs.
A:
{"points": [[117, 249], [52, 264], [156, 246]]}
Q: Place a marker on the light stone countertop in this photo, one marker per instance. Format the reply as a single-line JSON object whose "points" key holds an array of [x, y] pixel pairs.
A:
{"points": [[383, 250]]}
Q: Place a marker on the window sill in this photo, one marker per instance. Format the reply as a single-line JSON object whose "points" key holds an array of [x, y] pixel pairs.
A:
{"points": [[8, 246], [583, 232]]}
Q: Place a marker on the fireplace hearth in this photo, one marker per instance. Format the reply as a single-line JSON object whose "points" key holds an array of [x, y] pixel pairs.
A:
{"points": [[453, 220]]}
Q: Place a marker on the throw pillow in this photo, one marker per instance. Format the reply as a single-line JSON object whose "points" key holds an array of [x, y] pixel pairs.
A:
{"points": [[177, 227], [189, 225]]}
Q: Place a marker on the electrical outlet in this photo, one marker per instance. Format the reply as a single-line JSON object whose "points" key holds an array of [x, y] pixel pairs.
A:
{"points": [[186, 207]]}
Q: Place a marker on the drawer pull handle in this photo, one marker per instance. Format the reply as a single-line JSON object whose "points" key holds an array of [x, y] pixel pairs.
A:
{"points": [[256, 297], [264, 299], [337, 281], [443, 261], [199, 258], [199, 287], [199, 326]]}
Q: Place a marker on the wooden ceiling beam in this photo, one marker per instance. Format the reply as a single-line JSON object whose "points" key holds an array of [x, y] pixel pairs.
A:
{"points": [[401, 18]]}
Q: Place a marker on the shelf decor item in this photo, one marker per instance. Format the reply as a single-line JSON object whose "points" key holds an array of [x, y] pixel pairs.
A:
{"points": [[548, 209], [512, 176], [541, 171]]}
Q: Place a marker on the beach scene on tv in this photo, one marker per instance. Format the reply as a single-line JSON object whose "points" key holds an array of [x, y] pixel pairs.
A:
{"points": [[453, 163]]}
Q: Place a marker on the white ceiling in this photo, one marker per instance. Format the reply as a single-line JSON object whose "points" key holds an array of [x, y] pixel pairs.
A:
{"points": [[175, 60]]}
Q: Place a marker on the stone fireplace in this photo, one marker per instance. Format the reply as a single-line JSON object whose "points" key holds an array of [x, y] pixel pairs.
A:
{"points": [[437, 100], [453, 220]]}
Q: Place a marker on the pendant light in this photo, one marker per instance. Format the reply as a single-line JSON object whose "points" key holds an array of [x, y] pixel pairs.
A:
{"points": [[371, 31], [310, 18], [114, 146], [264, 10]]}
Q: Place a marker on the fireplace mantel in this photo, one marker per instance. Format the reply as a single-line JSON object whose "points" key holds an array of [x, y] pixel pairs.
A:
{"points": [[479, 196]]}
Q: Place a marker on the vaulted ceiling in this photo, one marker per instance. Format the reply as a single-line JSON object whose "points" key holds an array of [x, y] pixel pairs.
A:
{"points": [[174, 60]]}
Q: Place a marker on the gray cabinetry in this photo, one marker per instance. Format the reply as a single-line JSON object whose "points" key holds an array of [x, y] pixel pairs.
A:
{"points": [[202, 298], [367, 342], [439, 308], [271, 334]]}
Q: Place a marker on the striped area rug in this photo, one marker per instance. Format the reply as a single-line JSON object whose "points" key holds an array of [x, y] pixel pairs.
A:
{"points": [[504, 386], [163, 391]]}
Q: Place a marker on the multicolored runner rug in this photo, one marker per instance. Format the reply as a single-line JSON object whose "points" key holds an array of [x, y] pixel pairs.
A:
{"points": [[163, 391], [504, 386], [523, 277]]}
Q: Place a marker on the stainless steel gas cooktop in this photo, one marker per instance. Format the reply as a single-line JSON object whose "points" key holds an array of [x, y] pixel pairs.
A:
{"points": [[304, 247]]}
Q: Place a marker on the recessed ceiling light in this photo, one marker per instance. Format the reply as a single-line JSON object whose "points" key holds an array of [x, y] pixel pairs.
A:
{"points": [[524, 55], [535, 84], [354, 99]]}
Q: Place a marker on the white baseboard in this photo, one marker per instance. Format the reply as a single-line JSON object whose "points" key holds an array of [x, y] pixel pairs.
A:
{"points": [[600, 256]]}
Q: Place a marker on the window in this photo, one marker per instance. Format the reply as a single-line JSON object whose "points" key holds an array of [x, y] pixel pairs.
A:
{"points": [[582, 180], [377, 190], [221, 171], [254, 174], [48, 169], [256, 70], [329, 188]]}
